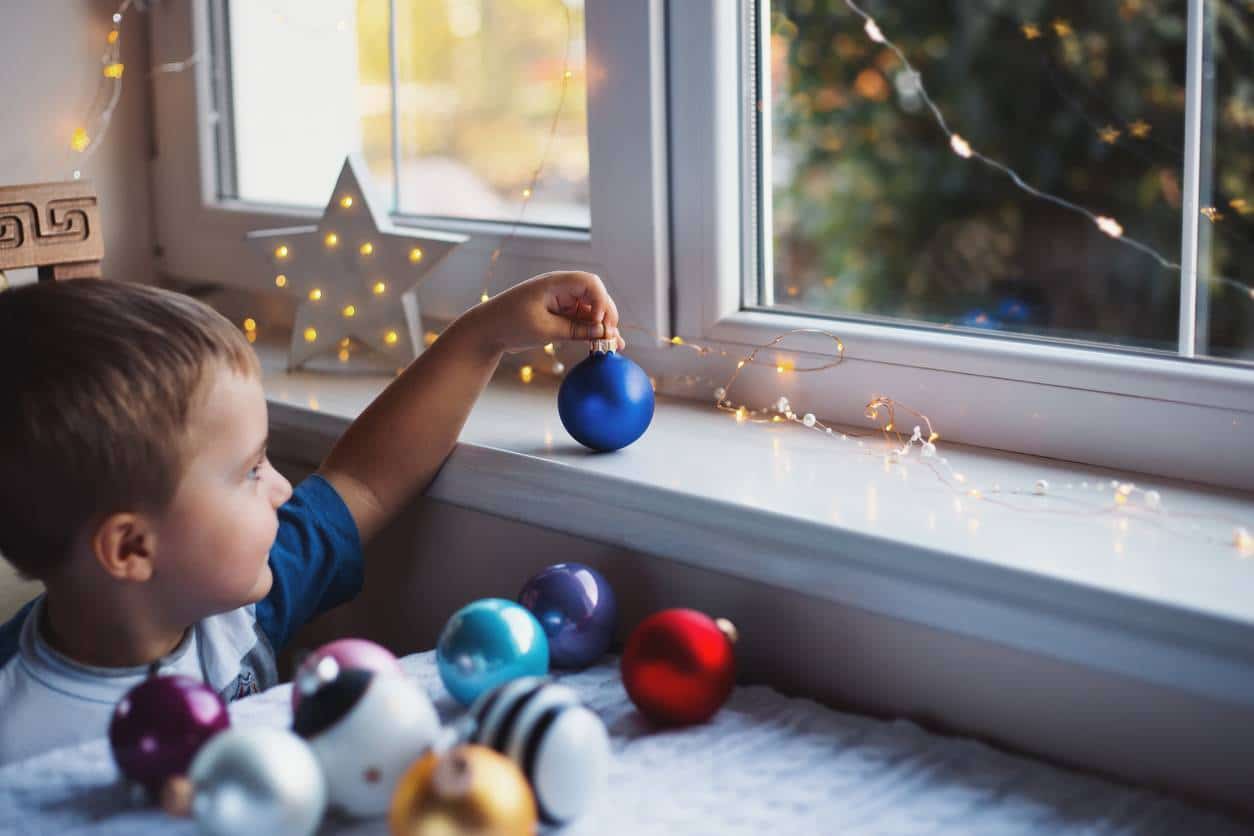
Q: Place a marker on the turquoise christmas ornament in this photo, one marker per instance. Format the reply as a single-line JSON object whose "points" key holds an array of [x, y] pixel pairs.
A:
{"points": [[487, 643], [606, 402]]}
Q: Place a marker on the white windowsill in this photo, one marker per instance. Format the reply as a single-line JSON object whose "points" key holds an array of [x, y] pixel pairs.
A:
{"points": [[799, 510]]}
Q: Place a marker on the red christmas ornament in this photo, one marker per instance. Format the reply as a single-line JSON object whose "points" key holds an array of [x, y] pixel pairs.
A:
{"points": [[678, 666]]}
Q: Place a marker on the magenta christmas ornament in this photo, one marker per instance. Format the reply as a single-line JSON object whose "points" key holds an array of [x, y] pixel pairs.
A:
{"points": [[160, 724]]}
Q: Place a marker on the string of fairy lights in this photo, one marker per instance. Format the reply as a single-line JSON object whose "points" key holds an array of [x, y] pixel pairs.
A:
{"points": [[960, 146], [88, 136], [1116, 497]]}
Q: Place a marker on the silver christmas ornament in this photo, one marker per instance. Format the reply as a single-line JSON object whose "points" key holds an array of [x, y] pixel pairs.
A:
{"points": [[257, 780]]}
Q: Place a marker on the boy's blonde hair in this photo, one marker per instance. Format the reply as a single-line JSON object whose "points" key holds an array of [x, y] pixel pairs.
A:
{"points": [[97, 382]]}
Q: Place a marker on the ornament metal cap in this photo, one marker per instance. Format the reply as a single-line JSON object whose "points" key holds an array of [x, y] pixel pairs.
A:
{"points": [[603, 346]]}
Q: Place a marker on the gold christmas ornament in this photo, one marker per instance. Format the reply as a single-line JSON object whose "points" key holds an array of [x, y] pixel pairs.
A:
{"points": [[354, 273], [468, 790]]}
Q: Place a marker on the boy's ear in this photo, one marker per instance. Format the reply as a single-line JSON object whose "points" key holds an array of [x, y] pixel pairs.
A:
{"points": [[124, 545]]}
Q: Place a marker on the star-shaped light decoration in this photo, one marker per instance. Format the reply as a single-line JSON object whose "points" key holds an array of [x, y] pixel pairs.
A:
{"points": [[354, 272]]}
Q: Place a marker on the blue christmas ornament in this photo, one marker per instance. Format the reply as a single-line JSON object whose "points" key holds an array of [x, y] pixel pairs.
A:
{"points": [[606, 402], [577, 609], [487, 643]]}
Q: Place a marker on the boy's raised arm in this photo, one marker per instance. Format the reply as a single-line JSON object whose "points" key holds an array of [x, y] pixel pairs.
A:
{"points": [[396, 446]]}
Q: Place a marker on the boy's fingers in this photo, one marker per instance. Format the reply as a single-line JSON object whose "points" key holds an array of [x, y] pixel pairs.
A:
{"points": [[583, 295]]}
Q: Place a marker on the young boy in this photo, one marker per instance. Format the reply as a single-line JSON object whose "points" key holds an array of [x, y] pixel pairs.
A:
{"points": [[134, 484]]}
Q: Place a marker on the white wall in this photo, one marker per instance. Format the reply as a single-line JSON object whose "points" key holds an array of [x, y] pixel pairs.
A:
{"points": [[50, 62]]}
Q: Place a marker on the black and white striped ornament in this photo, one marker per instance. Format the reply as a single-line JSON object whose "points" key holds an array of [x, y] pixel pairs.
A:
{"points": [[560, 745]]}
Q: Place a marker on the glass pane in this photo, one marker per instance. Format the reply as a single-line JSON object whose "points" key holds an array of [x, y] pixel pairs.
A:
{"points": [[305, 93], [1226, 241], [876, 212], [480, 82]]}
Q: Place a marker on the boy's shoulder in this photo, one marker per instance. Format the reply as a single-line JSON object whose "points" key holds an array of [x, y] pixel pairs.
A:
{"points": [[11, 633]]}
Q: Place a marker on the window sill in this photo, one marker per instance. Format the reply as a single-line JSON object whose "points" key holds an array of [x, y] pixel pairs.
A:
{"points": [[801, 511]]}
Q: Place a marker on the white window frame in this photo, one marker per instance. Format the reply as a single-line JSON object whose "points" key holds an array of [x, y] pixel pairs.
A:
{"points": [[1103, 406], [201, 235], [668, 165]]}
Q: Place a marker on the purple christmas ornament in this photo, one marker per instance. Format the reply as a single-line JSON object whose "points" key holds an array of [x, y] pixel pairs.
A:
{"points": [[576, 607], [160, 724]]}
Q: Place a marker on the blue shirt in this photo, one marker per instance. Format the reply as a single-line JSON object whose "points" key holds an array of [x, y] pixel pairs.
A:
{"points": [[48, 700]]}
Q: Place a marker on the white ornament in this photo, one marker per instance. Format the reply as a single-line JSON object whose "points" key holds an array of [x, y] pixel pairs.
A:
{"points": [[1041, 487], [808, 419], [782, 405], [257, 780], [364, 748], [561, 746], [354, 273], [559, 367], [1153, 499]]}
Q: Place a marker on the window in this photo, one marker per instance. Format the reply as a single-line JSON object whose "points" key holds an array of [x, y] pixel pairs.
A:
{"points": [[310, 82], [461, 92], [874, 211], [771, 234]]}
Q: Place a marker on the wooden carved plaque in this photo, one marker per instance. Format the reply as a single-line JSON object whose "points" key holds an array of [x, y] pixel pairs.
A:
{"points": [[52, 226]]}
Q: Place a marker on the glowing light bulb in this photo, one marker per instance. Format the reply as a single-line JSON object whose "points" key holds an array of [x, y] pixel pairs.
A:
{"points": [[343, 355], [117, 17], [250, 324], [677, 340], [741, 415], [873, 31], [526, 373], [350, 311], [550, 349], [391, 337], [315, 295], [961, 147], [112, 37], [114, 70], [366, 249], [80, 140], [332, 240], [1243, 540], [311, 334], [380, 288], [741, 364], [567, 74], [526, 192], [281, 252], [1110, 226], [346, 342], [280, 280], [346, 202], [932, 439], [429, 338], [251, 336], [415, 255], [483, 297]]}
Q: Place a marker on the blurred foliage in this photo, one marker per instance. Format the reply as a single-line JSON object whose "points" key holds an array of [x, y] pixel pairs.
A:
{"points": [[480, 81], [874, 214]]}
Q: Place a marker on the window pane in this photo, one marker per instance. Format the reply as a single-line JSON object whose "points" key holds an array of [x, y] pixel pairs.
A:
{"points": [[875, 213], [301, 98], [1226, 241], [480, 82]]}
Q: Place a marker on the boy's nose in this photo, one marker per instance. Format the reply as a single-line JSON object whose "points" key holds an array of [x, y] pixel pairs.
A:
{"points": [[282, 490]]}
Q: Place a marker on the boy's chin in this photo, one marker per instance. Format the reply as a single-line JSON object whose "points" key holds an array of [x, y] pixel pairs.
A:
{"points": [[264, 581]]}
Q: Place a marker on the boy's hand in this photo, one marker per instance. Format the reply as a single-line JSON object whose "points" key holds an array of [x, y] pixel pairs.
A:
{"points": [[551, 307]]}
